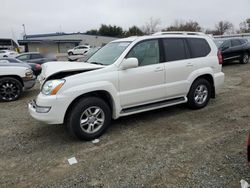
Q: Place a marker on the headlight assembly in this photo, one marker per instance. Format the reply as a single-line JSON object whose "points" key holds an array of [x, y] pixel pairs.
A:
{"points": [[29, 73], [51, 87]]}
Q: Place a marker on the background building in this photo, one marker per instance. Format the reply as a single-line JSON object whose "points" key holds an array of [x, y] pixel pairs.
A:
{"points": [[9, 44], [61, 42]]}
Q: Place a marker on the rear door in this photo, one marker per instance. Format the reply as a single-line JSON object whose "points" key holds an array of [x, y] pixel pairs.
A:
{"points": [[237, 48], [177, 66], [227, 51]]}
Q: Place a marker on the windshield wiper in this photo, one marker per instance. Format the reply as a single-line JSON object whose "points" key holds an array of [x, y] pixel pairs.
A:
{"points": [[96, 63]]}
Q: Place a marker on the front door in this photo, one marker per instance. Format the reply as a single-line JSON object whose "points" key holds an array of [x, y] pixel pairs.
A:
{"points": [[144, 84]]}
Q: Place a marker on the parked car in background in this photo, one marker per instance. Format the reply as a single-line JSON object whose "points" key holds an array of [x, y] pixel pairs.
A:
{"points": [[35, 57], [79, 50], [84, 57], [36, 68], [234, 49], [129, 76], [13, 80], [7, 53]]}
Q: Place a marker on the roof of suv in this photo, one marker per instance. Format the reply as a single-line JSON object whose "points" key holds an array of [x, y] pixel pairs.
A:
{"points": [[164, 34]]}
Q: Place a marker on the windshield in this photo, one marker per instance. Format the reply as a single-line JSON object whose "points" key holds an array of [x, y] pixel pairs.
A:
{"points": [[108, 54]]}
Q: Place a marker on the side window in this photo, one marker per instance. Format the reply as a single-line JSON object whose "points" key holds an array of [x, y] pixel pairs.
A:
{"points": [[174, 49], [23, 57], [198, 47], [236, 43], [146, 52], [36, 56], [226, 44], [243, 41]]}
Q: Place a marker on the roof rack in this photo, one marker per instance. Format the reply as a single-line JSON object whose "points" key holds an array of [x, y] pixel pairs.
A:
{"points": [[179, 33]]}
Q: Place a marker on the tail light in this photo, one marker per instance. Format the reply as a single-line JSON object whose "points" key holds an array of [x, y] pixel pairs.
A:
{"points": [[248, 150], [220, 57]]}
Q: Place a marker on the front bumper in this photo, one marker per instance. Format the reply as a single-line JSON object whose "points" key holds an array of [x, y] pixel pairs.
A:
{"points": [[29, 83], [56, 109]]}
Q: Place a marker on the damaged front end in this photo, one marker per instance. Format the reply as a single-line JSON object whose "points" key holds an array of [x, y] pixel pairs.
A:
{"points": [[59, 70]]}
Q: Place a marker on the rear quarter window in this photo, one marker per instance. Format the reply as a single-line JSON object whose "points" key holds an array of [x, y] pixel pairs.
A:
{"points": [[198, 47]]}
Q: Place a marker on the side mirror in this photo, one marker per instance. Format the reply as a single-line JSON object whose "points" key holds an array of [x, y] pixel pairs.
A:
{"points": [[129, 63]]}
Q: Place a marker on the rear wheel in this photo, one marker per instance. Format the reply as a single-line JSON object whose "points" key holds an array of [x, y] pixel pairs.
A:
{"points": [[10, 89], [199, 94], [244, 58], [89, 118], [70, 53]]}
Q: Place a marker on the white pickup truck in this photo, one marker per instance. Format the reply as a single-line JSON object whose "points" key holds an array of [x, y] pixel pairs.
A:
{"points": [[129, 76], [13, 80]]}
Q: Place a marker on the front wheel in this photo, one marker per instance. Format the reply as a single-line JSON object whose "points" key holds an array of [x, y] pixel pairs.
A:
{"points": [[70, 53], [244, 58], [89, 118], [199, 94], [10, 89]]}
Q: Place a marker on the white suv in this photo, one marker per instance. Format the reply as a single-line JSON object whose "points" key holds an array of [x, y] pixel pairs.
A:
{"points": [[79, 50], [129, 76]]}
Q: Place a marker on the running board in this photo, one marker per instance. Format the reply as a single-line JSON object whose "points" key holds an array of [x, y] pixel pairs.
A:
{"points": [[152, 106]]}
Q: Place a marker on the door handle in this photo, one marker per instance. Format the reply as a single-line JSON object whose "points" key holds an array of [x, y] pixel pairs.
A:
{"points": [[159, 69]]}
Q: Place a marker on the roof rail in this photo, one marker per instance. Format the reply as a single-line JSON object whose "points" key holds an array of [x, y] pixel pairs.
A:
{"points": [[179, 33]]}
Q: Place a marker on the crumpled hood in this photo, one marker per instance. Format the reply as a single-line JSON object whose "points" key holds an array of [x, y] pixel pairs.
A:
{"points": [[51, 68]]}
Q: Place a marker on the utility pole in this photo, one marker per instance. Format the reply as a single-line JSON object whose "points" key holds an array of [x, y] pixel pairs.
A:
{"points": [[24, 31]]}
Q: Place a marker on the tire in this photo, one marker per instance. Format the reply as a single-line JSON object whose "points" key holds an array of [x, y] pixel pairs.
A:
{"points": [[94, 122], [199, 94], [10, 89], [70, 53], [244, 59]]}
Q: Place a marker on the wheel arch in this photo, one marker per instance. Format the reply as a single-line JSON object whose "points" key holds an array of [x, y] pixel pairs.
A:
{"points": [[210, 79], [14, 76], [103, 94]]}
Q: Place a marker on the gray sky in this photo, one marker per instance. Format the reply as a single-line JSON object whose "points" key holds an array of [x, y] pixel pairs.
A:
{"points": [[46, 16]]}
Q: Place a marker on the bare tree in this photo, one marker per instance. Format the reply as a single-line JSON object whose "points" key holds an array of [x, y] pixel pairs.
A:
{"points": [[184, 26], [223, 26], [151, 26], [245, 26]]}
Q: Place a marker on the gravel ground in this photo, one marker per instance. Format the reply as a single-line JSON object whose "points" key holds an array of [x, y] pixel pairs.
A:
{"points": [[171, 147]]}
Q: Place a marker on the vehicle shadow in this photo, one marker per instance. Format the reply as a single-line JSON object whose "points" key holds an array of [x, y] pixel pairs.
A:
{"points": [[146, 117], [58, 134]]}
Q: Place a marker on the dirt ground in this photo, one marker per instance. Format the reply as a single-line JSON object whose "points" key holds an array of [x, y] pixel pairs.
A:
{"points": [[171, 147]]}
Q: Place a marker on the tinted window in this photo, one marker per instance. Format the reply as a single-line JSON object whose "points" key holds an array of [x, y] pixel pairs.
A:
{"points": [[236, 43], [198, 47], [243, 41], [174, 49], [146, 52], [36, 56]]}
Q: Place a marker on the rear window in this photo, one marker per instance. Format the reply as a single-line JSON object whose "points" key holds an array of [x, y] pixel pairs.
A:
{"points": [[174, 49], [198, 47]]}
